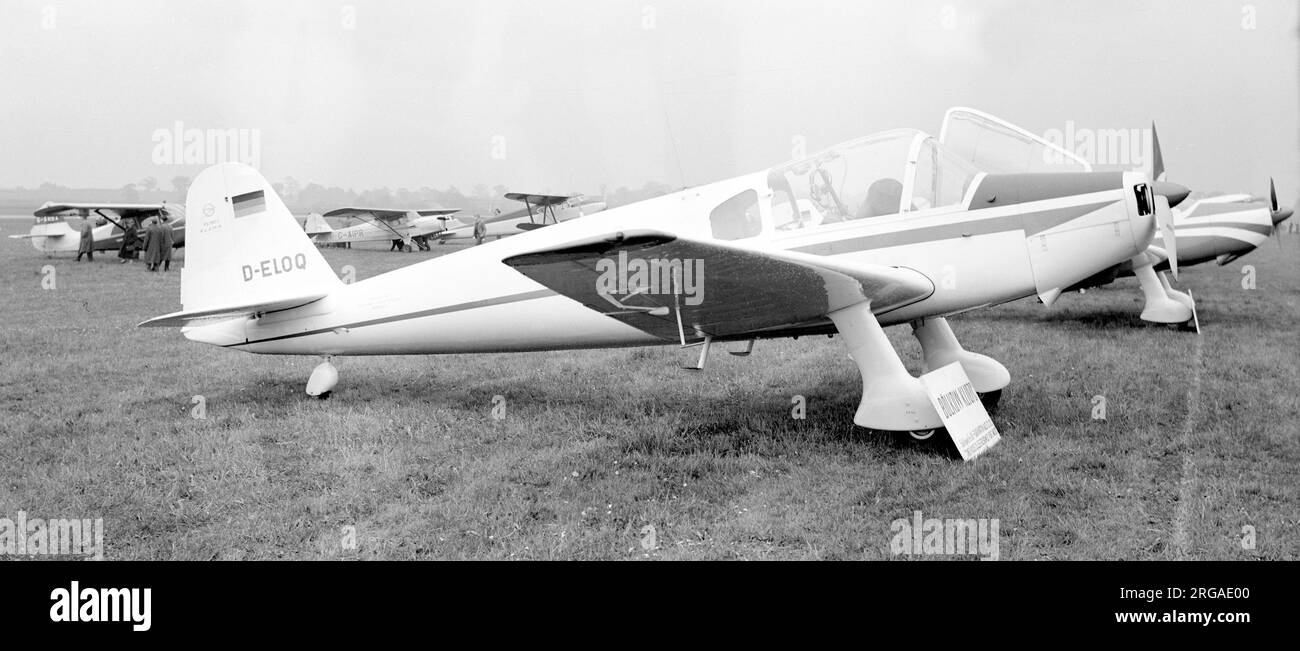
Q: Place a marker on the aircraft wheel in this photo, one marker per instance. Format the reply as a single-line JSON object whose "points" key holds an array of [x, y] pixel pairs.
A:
{"points": [[991, 400], [923, 435]]}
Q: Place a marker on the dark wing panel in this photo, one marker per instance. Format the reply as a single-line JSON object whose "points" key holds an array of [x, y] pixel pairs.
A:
{"points": [[648, 279]]}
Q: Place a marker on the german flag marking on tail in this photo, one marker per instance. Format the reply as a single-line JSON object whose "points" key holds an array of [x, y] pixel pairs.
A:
{"points": [[249, 203]]}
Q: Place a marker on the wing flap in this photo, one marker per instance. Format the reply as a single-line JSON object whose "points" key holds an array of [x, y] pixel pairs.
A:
{"points": [[201, 317], [649, 278]]}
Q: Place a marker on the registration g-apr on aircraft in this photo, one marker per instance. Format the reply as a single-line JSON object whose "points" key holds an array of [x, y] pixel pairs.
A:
{"points": [[377, 225], [57, 225], [857, 237]]}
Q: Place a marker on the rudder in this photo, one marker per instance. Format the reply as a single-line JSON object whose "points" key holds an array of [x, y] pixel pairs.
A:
{"points": [[243, 245]]}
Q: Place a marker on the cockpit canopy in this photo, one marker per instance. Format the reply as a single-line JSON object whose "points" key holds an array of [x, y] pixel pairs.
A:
{"points": [[882, 174]]}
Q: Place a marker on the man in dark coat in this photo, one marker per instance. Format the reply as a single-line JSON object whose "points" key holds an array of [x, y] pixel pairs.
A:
{"points": [[168, 241], [86, 246], [130, 239], [152, 245]]}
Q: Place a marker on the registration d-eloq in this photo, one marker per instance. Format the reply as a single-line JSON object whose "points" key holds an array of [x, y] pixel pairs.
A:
{"points": [[76, 604]]}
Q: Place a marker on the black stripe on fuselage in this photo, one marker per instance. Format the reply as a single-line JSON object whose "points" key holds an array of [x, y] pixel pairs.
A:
{"points": [[459, 307], [1031, 223]]}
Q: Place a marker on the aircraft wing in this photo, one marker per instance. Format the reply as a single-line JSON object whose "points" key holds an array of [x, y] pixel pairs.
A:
{"points": [[691, 288], [201, 317], [30, 237], [123, 209], [539, 199], [387, 214]]}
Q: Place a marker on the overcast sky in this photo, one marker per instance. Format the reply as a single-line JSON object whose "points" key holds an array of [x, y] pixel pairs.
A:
{"points": [[569, 96]]}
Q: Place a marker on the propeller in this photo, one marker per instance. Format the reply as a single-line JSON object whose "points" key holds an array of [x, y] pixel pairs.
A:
{"points": [[1165, 220], [1167, 195], [1280, 214]]}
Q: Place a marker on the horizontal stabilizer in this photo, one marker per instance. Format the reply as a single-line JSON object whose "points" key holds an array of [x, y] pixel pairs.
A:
{"points": [[210, 315]]}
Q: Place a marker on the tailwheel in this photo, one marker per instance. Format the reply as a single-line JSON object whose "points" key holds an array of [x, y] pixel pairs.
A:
{"points": [[991, 400], [924, 434]]}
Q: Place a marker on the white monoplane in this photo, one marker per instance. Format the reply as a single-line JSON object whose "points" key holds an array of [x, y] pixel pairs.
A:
{"points": [[892, 228]]}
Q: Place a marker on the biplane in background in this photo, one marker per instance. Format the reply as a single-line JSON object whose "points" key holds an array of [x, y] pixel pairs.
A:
{"points": [[539, 210], [57, 226]]}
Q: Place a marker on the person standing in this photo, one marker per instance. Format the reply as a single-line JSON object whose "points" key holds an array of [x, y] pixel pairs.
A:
{"points": [[480, 230], [152, 245], [86, 246], [130, 238], [168, 241]]}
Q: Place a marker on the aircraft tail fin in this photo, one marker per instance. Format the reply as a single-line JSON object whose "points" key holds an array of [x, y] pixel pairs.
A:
{"points": [[244, 247], [317, 225]]}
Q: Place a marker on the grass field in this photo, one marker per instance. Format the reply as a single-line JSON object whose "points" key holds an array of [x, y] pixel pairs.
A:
{"points": [[596, 447]]}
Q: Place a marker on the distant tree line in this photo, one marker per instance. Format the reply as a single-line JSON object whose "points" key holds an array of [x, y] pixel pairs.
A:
{"points": [[313, 197]]}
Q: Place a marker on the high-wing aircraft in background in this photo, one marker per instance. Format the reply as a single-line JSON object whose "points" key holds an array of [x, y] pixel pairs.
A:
{"points": [[888, 229], [56, 229], [378, 225]]}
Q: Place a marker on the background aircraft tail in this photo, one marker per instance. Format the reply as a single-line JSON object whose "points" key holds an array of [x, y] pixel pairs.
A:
{"points": [[317, 225], [244, 248]]}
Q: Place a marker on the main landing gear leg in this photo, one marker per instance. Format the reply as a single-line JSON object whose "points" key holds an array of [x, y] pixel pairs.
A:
{"points": [[323, 378], [941, 348], [1185, 299], [1161, 305], [892, 399]]}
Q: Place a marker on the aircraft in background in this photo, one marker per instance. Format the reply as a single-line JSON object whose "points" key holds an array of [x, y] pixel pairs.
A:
{"points": [[417, 226], [1225, 227], [57, 225], [892, 228], [1219, 228], [379, 225], [539, 210]]}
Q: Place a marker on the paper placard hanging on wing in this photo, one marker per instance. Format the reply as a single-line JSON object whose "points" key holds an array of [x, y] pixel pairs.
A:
{"points": [[958, 404]]}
